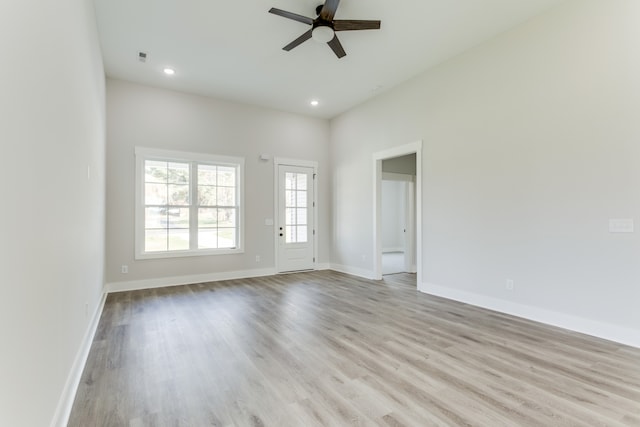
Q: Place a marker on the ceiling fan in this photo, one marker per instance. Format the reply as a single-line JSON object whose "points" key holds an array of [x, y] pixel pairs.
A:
{"points": [[324, 27]]}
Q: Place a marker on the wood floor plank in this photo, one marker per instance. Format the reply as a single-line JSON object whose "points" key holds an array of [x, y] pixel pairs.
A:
{"points": [[329, 349]]}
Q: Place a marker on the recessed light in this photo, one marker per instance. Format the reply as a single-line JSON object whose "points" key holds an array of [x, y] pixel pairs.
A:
{"points": [[315, 103], [169, 71]]}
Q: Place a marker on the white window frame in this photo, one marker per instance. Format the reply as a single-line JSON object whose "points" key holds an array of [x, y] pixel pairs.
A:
{"points": [[142, 154]]}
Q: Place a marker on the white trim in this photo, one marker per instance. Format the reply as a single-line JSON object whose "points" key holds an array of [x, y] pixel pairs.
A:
{"points": [[395, 249], [354, 271], [282, 161], [161, 282], [392, 176], [186, 156], [608, 331], [65, 403], [296, 162], [323, 266], [402, 150]]}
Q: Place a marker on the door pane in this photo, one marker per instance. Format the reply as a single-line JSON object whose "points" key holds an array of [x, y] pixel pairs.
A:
{"points": [[290, 181], [301, 181], [301, 199], [301, 234], [301, 218]]}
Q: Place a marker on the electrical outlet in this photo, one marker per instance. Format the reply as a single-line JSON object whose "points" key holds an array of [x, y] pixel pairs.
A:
{"points": [[509, 285], [125, 269], [257, 258]]}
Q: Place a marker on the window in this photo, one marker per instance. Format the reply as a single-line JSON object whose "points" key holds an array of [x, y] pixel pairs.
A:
{"points": [[187, 204], [295, 195]]}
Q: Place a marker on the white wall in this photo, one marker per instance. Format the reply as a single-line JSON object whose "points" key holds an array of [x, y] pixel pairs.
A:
{"points": [[52, 217], [531, 144], [393, 215], [149, 117], [403, 164]]}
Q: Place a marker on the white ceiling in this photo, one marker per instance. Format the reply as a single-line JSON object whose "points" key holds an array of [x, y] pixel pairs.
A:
{"points": [[233, 49]]}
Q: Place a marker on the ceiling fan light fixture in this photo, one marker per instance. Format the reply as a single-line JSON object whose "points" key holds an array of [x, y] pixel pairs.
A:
{"points": [[322, 34]]}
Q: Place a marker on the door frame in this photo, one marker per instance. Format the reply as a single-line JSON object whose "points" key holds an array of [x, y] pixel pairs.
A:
{"points": [[282, 161], [378, 157]]}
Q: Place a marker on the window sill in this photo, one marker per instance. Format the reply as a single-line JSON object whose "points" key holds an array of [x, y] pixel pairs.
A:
{"points": [[187, 253]]}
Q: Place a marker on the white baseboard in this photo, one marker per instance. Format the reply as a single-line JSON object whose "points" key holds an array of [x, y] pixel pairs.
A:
{"points": [[63, 410], [323, 266], [354, 271], [619, 334], [392, 250], [161, 282]]}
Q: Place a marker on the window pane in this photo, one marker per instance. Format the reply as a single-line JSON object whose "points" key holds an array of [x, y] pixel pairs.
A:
{"points": [[289, 181], [178, 240], [207, 195], [208, 238], [289, 199], [155, 218], [301, 199], [290, 234], [226, 176], [155, 240], [155, 171], [290, 216], [226, 238], [207, 217], [226, 217], [301, 216], [207, 174], [178, 173], [178, 217], [178, 194], [155, 194], [302, 234], [301, 181], [226, 196]]}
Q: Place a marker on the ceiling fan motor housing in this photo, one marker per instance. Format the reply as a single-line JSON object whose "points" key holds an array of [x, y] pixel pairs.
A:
{"points": [[322, 33]]}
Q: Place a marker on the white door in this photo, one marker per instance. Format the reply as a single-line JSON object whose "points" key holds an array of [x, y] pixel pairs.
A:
{"points": [[295, 231]]}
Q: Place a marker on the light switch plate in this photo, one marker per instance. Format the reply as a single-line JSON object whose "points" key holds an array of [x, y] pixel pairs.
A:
{"points": [[621, 225]]}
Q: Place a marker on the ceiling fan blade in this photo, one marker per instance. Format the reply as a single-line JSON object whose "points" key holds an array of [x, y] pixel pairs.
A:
{"points": [[297, 42], [354, 24], [291, 15], [337, 48], [329, 10]]}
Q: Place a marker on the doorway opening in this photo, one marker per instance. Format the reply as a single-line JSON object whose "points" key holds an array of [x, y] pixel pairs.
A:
{"points": [[398, 215], [397, 211]]}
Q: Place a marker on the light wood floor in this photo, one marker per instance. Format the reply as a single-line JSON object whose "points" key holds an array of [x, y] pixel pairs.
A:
{"points": [[327, 349]]}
